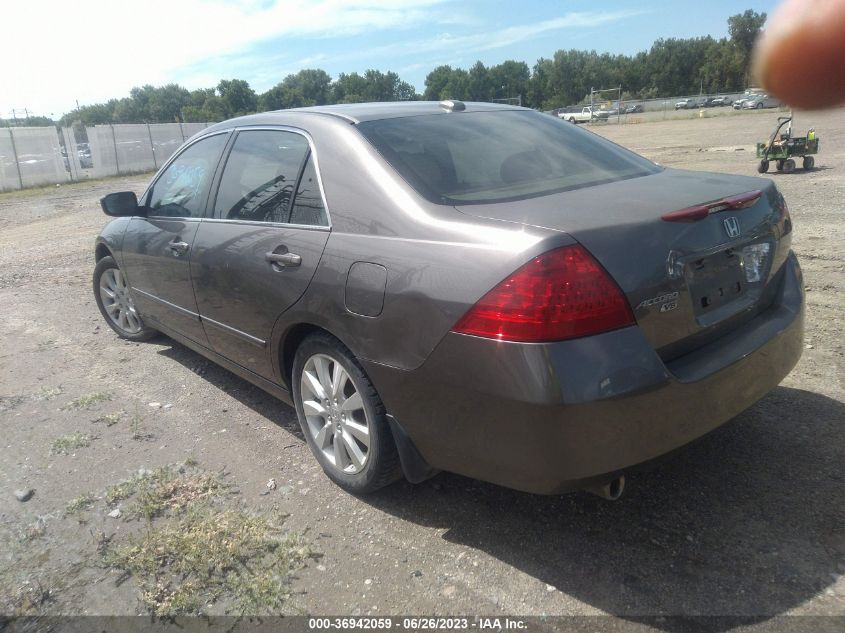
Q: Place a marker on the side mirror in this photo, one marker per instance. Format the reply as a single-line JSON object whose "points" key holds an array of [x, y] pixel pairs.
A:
{"points": [[120, 204]]}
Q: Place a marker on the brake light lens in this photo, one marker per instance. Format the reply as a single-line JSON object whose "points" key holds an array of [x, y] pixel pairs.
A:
{"points": [[558, 295], [784, 215], [701, 211]]}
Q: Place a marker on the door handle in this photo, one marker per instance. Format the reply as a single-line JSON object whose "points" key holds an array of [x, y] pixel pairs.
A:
{"points": [[286, 260], [178, 247]]}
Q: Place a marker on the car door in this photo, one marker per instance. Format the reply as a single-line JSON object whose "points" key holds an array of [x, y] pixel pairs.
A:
{"points": [[257, 254], [157, 247]]}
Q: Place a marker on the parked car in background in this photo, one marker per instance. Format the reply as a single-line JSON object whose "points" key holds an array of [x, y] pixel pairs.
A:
{"points": [[720, 101], [585, 115], [761, 101], [749, 93], [83, 152], [631, 109], [686, 104], [450, 286]]}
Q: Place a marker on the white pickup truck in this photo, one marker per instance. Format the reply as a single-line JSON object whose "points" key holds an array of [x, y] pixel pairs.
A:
{"points": [[586, 115]]}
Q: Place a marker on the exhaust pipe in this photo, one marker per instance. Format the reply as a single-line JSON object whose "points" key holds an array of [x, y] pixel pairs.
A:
{"points": [[611, 490]]}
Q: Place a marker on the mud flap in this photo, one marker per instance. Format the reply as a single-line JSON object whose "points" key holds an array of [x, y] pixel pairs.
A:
{"points": [[414, 467]]}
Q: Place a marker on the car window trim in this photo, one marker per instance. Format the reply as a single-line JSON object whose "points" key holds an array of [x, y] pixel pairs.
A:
{"points": [[312, 153], [219, 178], [278, 225], [297, 184], [175, 157]]}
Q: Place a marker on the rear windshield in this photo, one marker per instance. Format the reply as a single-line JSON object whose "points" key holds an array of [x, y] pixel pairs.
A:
{"points": [[484, 157]]}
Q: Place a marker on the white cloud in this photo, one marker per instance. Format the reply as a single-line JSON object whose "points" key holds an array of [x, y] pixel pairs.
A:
{"points": [[92, 50], [490, 40]]}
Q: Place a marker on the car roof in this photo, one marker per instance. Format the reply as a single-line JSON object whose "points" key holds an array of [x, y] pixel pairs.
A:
{"points": [[360, 112]]}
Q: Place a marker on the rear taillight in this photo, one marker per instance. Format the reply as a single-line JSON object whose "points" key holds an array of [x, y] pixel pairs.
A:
{"points": [[558, 295], [785, 219]]}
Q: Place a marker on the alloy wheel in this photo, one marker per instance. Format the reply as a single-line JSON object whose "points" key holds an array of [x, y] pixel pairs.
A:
{"points": [[117, 302], [335, 414]]}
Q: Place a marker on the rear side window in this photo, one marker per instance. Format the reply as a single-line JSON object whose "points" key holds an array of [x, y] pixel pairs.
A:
{"points": [[484, 157], [308, 204], [260, 175], [181, 190]]}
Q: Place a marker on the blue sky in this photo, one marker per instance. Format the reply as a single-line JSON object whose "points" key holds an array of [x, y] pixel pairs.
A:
{"points": [[117, 45]]}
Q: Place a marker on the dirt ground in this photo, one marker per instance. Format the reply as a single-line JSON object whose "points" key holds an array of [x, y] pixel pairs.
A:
{"points": [[749, 520]]}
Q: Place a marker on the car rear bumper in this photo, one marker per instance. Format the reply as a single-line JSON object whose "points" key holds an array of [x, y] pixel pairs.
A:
{"points": [[547, 418]]}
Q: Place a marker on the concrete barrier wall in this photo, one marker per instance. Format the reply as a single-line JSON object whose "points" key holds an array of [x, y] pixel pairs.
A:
{"points": [[37, 156]]}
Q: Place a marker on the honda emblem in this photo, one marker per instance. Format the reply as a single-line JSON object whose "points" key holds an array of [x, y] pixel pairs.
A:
{"points": [[732, 227]]}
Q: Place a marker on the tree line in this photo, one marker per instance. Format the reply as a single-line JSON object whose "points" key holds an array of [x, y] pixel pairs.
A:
{"points": [[670, 67]]}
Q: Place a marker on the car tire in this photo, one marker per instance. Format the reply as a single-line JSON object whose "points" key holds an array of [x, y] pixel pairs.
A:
{"points": [[347, 425], [763, 167], [115, 302], [572, 119], [759, 106], [788, 166], [809, 162]]}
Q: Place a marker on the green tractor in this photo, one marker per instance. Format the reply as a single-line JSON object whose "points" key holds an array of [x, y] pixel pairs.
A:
{"points": [[785, 148]]}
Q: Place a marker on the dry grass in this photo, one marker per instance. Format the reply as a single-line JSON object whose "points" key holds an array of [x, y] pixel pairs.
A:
{"points": [[24, 590], [87, 401], [34, 530], [64, 444], [136, 426], [169, 491], [192, 553], [79, 504], [47, 393], [109, 419], [166, 489], [205, 556], [27, 599]]}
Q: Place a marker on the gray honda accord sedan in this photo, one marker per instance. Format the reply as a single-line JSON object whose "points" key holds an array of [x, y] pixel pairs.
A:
{"points": [[474, 288]]}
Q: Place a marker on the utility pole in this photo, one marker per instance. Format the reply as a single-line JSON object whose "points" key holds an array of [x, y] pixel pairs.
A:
{"points": [[619, 105], [15, 117], [15, 154]]}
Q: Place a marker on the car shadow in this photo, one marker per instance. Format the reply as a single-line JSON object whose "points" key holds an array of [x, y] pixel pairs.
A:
{"points": [[246, 393], [798, 171], [747, 521]]}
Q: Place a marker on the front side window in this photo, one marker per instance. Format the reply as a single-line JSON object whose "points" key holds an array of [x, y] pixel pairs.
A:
{"points": [[182, 188], [260, 175]]}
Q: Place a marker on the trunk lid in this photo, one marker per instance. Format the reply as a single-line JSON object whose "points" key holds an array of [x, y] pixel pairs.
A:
{"points": [[688, 282]]}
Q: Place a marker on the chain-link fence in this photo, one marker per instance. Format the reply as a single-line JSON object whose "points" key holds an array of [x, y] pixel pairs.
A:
{"points": [[37, 156]]}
